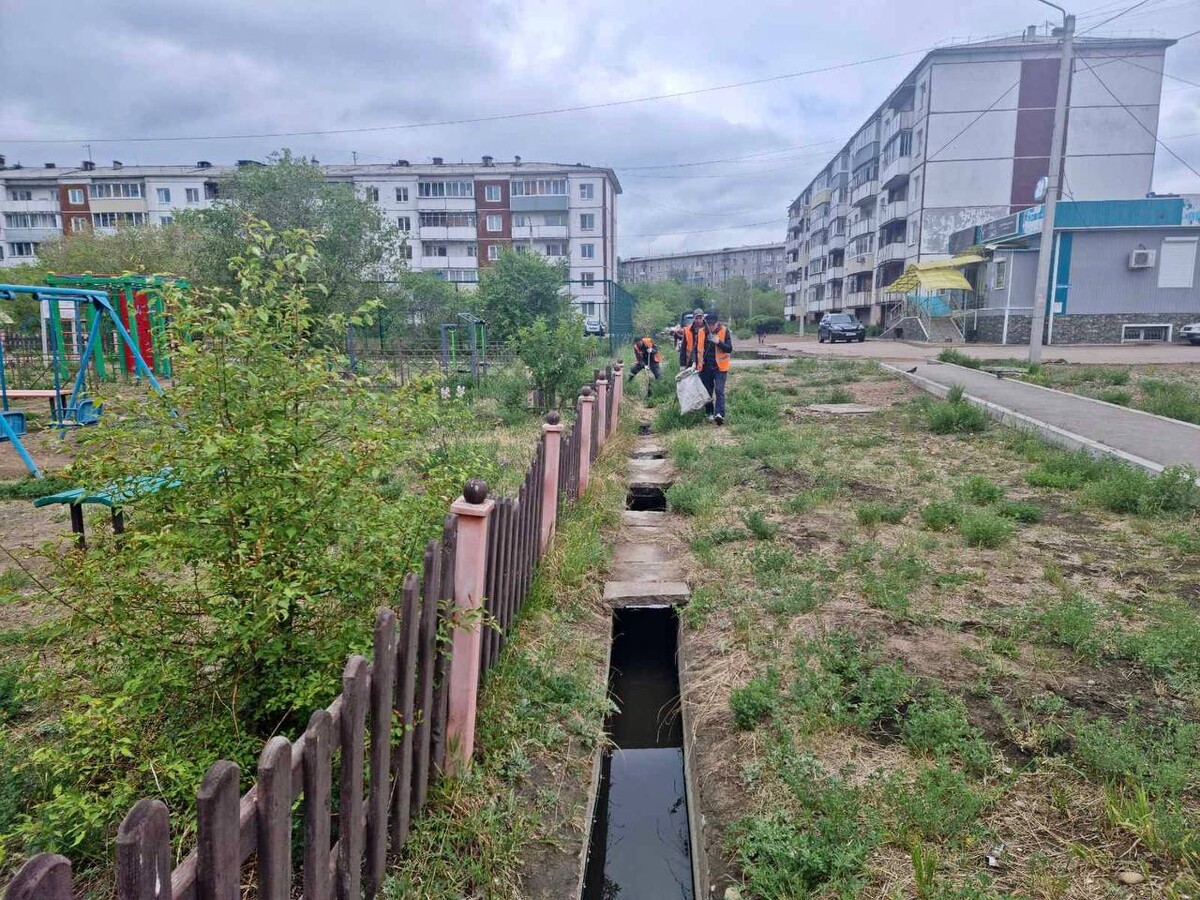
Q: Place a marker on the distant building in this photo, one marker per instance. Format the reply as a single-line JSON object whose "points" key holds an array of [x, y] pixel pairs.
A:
{"points": [[758, 262], [964, 139], [1122, 270], [457, 216]]}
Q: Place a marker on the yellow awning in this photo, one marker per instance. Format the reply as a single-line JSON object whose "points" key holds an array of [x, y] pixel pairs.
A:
{"points": [[932, 279], [965, 259]]}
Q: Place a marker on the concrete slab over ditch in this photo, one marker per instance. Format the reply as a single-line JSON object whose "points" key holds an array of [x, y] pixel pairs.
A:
{"points": [[641, 593], [634, 519], [842, 409], [651, 473]]}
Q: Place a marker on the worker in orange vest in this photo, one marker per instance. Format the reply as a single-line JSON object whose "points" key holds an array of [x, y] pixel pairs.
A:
{"points": [[691, 349], [715, 350], [646, 356]]}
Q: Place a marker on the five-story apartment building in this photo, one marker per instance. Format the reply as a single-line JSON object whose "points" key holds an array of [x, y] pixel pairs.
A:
{"points": [[964, 139], [755, 263]]}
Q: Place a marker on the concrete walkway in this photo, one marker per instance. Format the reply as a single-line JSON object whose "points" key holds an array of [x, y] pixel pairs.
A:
{"points": [[1079, 422]]}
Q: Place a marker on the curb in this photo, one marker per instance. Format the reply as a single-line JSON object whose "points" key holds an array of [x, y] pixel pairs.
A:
{"points": [[1052, 433]]}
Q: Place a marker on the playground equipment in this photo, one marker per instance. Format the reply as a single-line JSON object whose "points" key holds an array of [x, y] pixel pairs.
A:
{"points": [[475, 345], [77, 408], [139, 303]]}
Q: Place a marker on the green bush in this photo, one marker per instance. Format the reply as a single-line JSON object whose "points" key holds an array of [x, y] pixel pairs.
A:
{"points": [[984, 528], [940, 514], [1131, 490], [938, 724], [980, 490], [956, 416], [754, 702]]}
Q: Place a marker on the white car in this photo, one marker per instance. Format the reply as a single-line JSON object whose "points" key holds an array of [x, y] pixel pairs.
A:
{"points": [[1191, 333]]}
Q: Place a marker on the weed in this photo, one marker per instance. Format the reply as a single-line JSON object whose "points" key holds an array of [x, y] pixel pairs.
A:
{"points": [[1129, 490], [12, 580], [1165, 828], [871, 513], [939, 804], [938, 724], [984, 528], [980, 491], [826, 492], [1171, 399], [941, 514], [955, 415], [700, 605], [768, 562], [950, 355], [1169, 645], [1065, 471], [755, 702], [11, 701], [1021, 511], [685, 452], [793, 598], [33, 488], [835, 395], [1075, 622], [1117, 396], [691, 498], [760, 527]]}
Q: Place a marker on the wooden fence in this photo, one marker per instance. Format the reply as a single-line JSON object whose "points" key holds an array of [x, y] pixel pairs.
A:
{"points": [[388, 728]]}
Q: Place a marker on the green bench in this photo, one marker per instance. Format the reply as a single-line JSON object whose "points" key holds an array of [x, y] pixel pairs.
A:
{"points": [[114, 496]]}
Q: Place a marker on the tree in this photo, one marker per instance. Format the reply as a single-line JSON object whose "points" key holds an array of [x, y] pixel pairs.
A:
{"points": [[520, 288], [143, 249], [652, 315], [355, 244], [415, 307], [557, 357]]}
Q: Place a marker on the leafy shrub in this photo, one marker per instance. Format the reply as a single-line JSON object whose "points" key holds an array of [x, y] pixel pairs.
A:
{"points": [[755, 701], [1028, 513], [956, 416], [984, 528], [940, 514], [980, 490]]}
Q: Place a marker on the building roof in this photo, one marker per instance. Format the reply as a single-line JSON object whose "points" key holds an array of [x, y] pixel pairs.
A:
{"points": [[688, 254], [477, 169]]}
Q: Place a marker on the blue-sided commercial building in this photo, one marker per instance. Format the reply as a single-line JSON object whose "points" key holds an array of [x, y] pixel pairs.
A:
{"points": [[1123, 270]]}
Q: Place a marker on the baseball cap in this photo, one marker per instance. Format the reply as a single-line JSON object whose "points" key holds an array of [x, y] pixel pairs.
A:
{"points": [[697, 312], [711, 316]]}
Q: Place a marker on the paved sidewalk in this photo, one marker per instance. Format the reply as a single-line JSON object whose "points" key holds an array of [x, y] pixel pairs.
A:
{"points": [[1109, 354], [1148, 438]]}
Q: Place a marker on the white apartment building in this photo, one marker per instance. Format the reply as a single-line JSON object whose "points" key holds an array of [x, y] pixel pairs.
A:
{"points": [[456, 216], [755, 263], [962, 140]]}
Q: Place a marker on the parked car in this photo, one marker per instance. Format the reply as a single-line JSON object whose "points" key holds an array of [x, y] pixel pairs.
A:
{"points": [[1191, 333], [840, 327], [593, 327]]}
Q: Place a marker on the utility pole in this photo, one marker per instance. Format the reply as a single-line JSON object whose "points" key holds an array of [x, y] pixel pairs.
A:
{"points": [[1038, 318]]}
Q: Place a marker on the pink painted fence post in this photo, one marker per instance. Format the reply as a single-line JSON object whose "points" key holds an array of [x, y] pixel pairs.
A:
{"points": [[552, 433], [618, 390], [472, 509], [601, 411], [586, 402]]}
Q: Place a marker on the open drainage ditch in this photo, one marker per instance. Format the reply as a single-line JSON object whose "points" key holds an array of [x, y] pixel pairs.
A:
{"points": [[640, 845], [646, 499]]}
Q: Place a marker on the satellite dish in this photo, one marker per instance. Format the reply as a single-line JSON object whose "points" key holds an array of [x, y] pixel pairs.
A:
{"points": [[1039, 190]]}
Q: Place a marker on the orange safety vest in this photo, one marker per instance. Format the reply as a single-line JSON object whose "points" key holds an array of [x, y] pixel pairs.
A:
{"points": [[722, 357], [650, 348], [688, 340]]}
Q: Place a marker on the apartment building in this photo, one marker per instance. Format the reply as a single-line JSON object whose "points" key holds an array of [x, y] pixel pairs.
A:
{"points": [[964, 139], [456, 217], [755, 263]]}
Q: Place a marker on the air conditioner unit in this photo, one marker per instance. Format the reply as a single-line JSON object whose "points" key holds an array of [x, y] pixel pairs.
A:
{"points": [[1142, 259]]}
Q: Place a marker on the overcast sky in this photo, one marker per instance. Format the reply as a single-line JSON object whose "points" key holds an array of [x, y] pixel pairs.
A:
{"points": [[105, 69]]}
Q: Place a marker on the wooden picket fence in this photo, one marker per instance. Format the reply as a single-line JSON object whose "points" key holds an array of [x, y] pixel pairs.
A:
{"points": [[384, 771]]}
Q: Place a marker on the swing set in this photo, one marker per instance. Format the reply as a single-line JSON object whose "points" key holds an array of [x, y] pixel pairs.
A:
{"points": [[94, 307]]}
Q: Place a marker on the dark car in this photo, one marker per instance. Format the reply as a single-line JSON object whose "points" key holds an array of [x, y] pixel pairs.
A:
{"points": [[840, 327]]}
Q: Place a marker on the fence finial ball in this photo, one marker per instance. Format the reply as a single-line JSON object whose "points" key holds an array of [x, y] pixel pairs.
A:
{"points": [[587, 391], [553, 417], [475, 491]]}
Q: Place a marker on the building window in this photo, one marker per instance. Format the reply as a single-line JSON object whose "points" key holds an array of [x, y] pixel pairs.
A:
{"points": [[115, 189], [446, 189], [406, 251], [435, 250], [535, 187], [491, 193], [20, 195], [587, 221], [556, 248], [587, 310], [193, 195], [470, 248], [115, 219], [371, 194], [31, 220], [495, 223], [520, 220], [1177, 262], [164, 195], [401, 195], [22, 249], [587, 191], [587, 251], [917, 143], [79, 223], [587, 279], [463, 276], [75, 196], [447, 219], [404, 223], [558, 219], [162, 220], [1000, 274], [493, 252]]}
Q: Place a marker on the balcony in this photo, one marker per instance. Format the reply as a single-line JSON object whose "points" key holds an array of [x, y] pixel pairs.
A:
{"points": [[864, 192], [836, 241], [835, 273], [862, 226], [793, 266], [429, 263], [442, 233], [817, 250], [889, 252], [895, 171], [536, 232], [858, 298], [897, 123], [540, 203], [855, 264], [891, 211]]}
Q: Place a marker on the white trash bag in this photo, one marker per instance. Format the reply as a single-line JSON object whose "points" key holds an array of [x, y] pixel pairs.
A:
{"points": [[690, 390]]}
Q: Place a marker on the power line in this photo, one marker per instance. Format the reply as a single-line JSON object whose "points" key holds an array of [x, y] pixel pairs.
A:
{"points": [[728, 159], [1128, 9], [1140, 123], [497, 118]]}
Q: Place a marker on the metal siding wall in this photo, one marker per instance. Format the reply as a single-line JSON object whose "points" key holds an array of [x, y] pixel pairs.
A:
{"points": [[1102, 282]]}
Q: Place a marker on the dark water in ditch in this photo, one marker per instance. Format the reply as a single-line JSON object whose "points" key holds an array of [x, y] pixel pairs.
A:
{"points": [[640, 847]]}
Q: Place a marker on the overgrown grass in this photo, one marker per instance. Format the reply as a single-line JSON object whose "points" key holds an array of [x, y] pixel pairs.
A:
{"points": [[955, 415], [33, 488], [984, 528], [871, 513]]}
